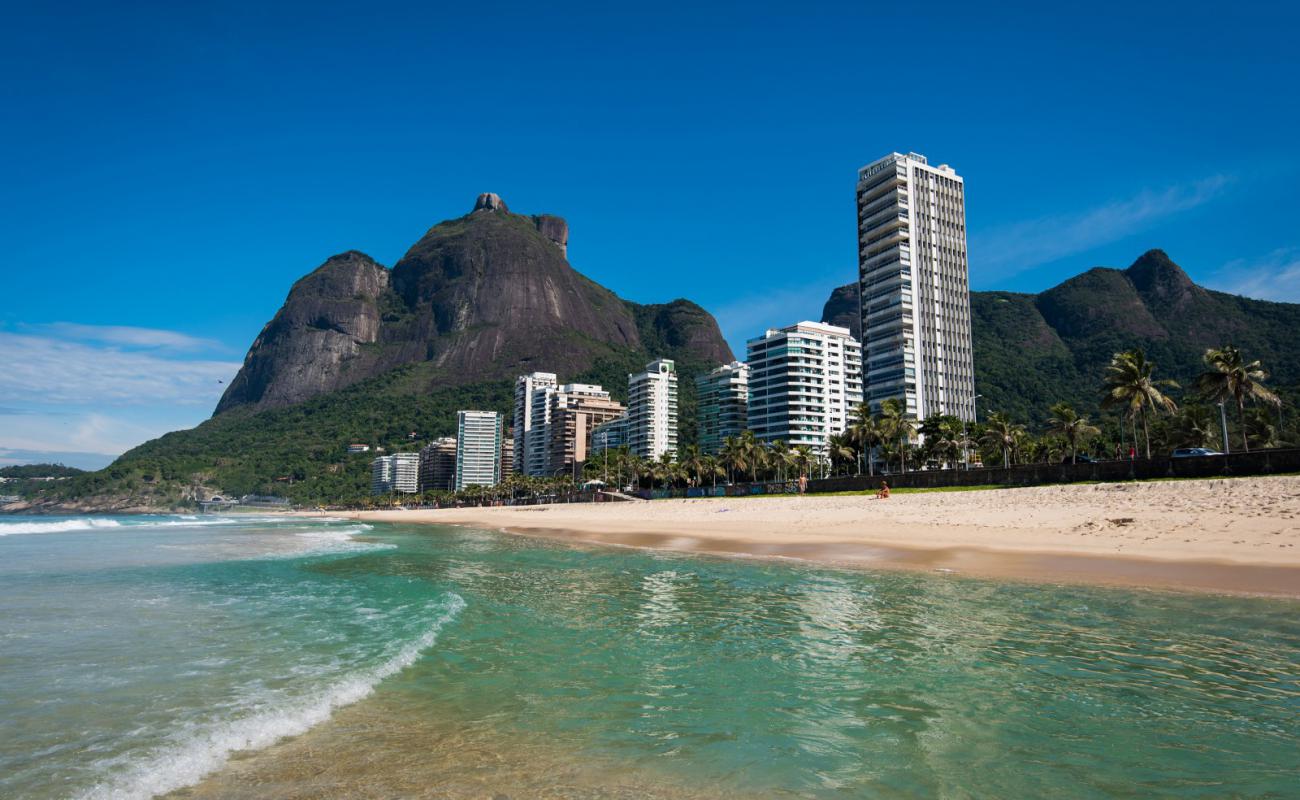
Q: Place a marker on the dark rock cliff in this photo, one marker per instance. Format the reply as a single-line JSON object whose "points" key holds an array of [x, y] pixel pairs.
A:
{"points": [[482, 297]]}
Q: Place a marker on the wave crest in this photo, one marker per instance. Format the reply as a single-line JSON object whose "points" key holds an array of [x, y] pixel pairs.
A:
{"points": [[207, 748]]}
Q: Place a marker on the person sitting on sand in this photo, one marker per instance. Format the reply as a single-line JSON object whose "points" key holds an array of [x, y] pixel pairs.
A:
{"points": [[883, 494]]}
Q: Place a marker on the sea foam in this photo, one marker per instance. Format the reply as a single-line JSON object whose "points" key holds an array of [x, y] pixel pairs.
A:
{"points": [[202, 748], [62, 526]]}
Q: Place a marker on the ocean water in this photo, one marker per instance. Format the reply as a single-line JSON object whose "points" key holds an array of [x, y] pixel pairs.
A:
{"points": [[232, 657]]}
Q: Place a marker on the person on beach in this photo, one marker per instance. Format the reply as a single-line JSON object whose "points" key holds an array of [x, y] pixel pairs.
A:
{"points": [[803, 484], [883, 494]]}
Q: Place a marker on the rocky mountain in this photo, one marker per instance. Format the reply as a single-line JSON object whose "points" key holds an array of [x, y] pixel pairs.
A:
{"points": [[363, 353], [486, 296], [1034, 349]]}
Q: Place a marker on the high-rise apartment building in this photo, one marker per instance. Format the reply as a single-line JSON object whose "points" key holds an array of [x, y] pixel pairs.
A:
{"points": [[438, 464], [723, 401], [804, 382], [609, 435], [478, 449], [399, 472], [531, 408], [914, 286], [381, 475], [575, 410], [507, 456], [652, 410]]}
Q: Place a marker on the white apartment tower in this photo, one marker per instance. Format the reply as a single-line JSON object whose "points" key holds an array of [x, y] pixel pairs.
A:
{"points": [[478, 449], [913, 286], [399, 472], [531, 407], [804, 382], [652, 410]]}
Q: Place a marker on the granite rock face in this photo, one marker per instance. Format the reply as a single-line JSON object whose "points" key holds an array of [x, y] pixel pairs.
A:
{"points": [[318, 338], [487, 296], [842, 309]]}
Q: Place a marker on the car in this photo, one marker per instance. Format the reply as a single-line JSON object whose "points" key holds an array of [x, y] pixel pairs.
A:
{"points": [[1194, 452], [1083, 458]]}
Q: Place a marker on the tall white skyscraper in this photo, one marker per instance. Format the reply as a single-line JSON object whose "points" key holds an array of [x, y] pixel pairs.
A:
{"points": [[531, 408], [478, 449], [914, 286], [652, 410], [804, 382]]}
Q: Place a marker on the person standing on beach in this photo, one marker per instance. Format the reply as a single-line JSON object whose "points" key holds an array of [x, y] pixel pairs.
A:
{"points": [[803, 484]]}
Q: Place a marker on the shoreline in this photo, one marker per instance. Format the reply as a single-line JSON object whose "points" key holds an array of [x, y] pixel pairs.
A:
{"points": [[1205, 536]]}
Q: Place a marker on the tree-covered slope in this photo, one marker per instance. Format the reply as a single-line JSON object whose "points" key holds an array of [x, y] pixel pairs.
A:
{"points": [[1034, 350]]}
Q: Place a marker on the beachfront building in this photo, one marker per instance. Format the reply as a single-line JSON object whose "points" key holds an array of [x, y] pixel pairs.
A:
{"points": [[507, 456], [399, 472], [438, 464], [609, 435], [575, 410], [723, 401], [478, 449], [913, 286], [652, 410], [381, 475], [531, 409], [804, 381]]}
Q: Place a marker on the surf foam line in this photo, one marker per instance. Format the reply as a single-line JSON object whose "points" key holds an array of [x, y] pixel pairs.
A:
{"points": [[206, 750], [62, 526]]}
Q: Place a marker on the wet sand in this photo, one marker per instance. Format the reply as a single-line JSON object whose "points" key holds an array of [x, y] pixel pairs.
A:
{"points": [[382, 749], [1239, 536]]}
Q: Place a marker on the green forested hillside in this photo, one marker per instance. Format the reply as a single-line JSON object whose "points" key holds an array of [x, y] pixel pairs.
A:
{"points": [[300, 451]]}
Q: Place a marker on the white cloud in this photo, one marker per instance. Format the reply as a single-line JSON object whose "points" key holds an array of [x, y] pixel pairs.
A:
{"points": [[131, 337], [1276, 276], [1003, 252], [40, 370]]}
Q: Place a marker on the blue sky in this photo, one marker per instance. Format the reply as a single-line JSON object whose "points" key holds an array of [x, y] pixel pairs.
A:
{"points": [[168, 170]]}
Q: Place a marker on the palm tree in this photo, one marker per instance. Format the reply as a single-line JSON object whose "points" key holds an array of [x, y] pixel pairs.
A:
{"points": [[1194, 426], [711, 468], [732, 455], [895, 425], [1002, 434], [779, 453], [1130, 387], [840, 450], [1229, 377], [802, 459], [1071, 427], [691, 460], [865, 433]]}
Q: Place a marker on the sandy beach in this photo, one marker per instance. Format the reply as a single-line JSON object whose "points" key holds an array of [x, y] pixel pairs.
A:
{"points": [[1237, 535]]}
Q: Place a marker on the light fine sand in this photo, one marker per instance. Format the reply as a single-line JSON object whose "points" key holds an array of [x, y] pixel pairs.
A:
{"points": [[1240, 535]]}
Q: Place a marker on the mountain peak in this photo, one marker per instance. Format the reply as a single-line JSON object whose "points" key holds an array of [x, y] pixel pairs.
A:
{"points": [[1157, 278], [490, 201]]}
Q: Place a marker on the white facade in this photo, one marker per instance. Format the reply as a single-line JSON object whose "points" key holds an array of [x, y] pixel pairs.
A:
{"points": [[723, 401], [478, 449], [914, 286], [399, 472], [652, 410], [804, 382], [531, 408]]}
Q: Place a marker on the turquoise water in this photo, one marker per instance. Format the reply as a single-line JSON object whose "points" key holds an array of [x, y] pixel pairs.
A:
{"points": [[136, 658]]}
